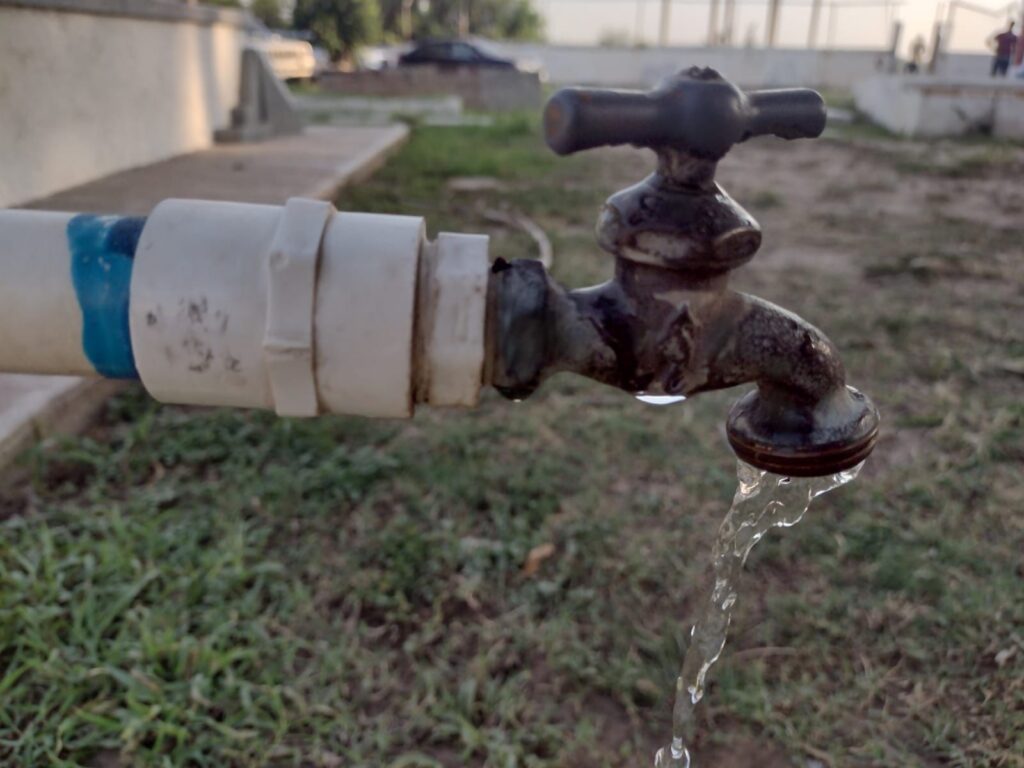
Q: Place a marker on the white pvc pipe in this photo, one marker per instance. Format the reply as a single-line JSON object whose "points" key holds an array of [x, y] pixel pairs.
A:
{"points": [[297, 308], [64, 293], [40, 318]]}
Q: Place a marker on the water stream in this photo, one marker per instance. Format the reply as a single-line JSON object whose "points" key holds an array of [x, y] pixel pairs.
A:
{"points": [[763, 501]]}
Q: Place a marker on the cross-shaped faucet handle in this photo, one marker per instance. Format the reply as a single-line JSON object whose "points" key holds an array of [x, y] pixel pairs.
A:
{"points": [[696, 111]]}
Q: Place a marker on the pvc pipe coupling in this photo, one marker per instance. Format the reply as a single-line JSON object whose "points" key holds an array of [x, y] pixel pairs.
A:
{"points": [[301, 309]]}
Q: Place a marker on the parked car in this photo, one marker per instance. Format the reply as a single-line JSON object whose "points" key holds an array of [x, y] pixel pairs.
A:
{"points": [[321, 57], [291, 59], [452, 54]]}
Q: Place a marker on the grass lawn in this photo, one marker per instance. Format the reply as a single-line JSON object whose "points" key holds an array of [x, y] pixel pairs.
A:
{"points": [[208, 587]]}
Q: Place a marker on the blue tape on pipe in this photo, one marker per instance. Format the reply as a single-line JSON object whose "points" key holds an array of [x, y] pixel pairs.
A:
{"points": [[102, 255]]}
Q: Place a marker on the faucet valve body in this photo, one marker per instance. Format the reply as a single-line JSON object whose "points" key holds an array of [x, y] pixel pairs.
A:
{"points": [[667, 322]]}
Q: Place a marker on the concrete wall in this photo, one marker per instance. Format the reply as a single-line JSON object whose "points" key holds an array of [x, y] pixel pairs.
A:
{"points": [[926, 106], [965, 65], [643, 67], [91, 87], [629, 67], [490, 89]]}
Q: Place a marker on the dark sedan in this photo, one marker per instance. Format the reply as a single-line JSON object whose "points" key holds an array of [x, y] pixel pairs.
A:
{"points": [[450, 54]]}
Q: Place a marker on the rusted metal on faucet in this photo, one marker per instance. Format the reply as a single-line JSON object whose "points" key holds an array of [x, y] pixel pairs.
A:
{"points": [[667, 322]]}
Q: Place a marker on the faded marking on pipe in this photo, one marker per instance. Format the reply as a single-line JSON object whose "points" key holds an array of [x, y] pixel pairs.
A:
{"points": [[102, 255]]}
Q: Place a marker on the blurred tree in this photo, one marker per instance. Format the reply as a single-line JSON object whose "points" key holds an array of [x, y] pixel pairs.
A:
{"points": [[267, 11], [223, 3], [396, 18], [508, 19], [340, 26], [511, 19]]}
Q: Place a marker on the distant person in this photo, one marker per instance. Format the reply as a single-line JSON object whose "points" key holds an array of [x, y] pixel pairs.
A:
{"points": [[917, 49], [1004, 43]]}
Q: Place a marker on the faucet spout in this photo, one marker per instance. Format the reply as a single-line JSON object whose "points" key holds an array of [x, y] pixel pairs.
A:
{"points": [[803, 419], [667, 323], [649, 332]]}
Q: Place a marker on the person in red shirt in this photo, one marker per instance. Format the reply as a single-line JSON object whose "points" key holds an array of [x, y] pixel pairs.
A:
{"points": [[1004, 43]]}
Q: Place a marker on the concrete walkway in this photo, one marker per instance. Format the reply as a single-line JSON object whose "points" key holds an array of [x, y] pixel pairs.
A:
{"points": [[316, 163]]}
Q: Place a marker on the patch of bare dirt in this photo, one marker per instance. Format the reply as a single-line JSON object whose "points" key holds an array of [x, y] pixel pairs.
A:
{"points": [[898, 448], [832, 261], [746, 753]]}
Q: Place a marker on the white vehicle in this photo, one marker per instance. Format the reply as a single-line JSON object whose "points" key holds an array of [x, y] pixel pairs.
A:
{"points": [[290, 59]]}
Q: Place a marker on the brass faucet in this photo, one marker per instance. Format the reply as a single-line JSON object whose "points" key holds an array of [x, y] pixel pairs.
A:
{"points": [[667, 323]]}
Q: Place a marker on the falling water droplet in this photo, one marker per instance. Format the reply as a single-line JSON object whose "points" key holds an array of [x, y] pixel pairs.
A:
{"points": [[661, 399]]}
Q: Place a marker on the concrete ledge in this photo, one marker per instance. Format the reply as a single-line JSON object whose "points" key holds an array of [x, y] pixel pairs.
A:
{"points": [[151, 10], [36, 407], [919, 106], [315, 163], [482, 88], [361, 167]]}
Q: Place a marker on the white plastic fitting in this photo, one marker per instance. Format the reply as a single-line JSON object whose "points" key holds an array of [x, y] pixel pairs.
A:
{"points": [[291, 294], [306, 310]]}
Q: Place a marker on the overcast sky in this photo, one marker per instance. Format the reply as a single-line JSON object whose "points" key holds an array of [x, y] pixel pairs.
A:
{"points": [[585, 21]]}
